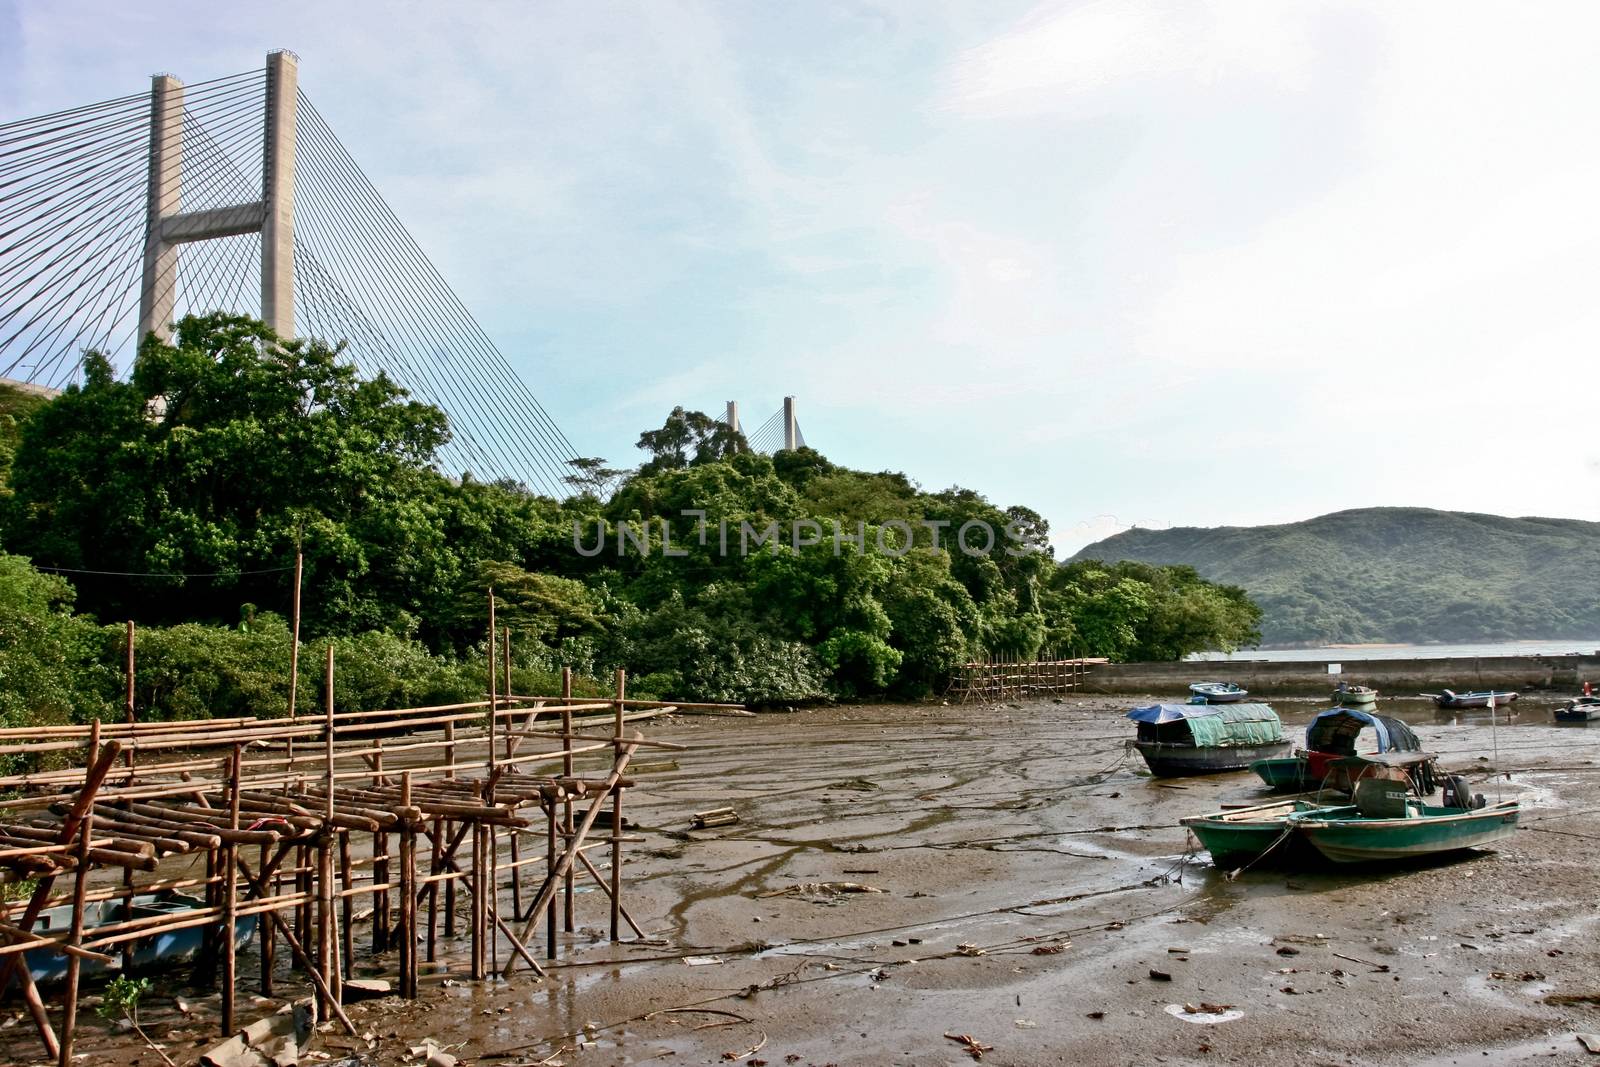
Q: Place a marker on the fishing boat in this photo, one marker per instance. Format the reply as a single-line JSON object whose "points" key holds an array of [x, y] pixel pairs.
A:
{"points": [[174, 946], [1354, 696], [1476, 699], [1219, 692], [1235, 838], [1332, 736], [1183, 739], [1579, 709], [1386, 823]]}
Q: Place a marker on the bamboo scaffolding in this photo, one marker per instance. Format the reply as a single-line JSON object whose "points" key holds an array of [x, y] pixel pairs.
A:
{"points": [[300, 817]]}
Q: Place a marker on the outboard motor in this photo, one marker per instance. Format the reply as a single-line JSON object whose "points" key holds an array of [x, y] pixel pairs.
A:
{"points": [[1458, 795]]}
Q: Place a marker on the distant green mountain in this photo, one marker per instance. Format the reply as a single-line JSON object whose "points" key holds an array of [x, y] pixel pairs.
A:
{"points": [[1395, 574]]}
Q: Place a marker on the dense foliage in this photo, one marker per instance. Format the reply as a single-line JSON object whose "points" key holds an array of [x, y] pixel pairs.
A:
{"points": [[1395, 574], [708, 572]]}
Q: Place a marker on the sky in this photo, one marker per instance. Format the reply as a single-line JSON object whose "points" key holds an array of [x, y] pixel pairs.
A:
{"points": [[1136, 263]]}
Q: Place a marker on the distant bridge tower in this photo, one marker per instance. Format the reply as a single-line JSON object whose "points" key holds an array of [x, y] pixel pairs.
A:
{"points": [[272, 216], [732, 418], [791, 429]]}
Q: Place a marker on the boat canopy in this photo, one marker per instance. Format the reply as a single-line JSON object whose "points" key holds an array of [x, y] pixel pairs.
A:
{"points": [[1335, 730], [1218, 724]]}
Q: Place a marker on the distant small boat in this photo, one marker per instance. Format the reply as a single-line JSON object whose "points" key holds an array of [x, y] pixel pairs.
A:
{"points": [[1219, 692], [1476, 699], [1183, 739], [1241, 836], [48, 965], [1579, 709], [1354, 695], [1386, 824]]}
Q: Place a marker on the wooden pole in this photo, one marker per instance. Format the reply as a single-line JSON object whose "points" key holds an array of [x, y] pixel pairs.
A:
{"points": [[569, 923], [408, 895], [550, 865], [69, 1021], [128, 703], [230, 895], [616, 816], [294, 641]]}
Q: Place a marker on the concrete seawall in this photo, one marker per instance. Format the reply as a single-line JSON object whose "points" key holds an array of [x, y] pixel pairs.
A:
{"points": [[1397, 677]]}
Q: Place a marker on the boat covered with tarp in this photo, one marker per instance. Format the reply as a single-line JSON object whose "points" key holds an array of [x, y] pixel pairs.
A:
{"points": [[1332, 735], [1181, 739]]}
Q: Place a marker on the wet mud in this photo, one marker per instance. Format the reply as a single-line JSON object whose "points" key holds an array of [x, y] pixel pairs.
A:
{"points": [[1034, 893]]}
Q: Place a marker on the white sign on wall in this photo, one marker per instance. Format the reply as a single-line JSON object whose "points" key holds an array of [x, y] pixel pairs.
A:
{"points": [[1336, 668]]}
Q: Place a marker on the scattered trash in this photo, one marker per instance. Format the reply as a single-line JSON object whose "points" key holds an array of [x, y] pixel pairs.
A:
{"points": [[1050, 950], [1518, 976], [702, 961], [1159, 976], [1024, 1024], [821, 888], [702, 820], [1288, 950], [273, 1041], [1094, 1015], [1381, 968], [1204, 1014], [972, 1045], [1179, 951], [968, 949]]}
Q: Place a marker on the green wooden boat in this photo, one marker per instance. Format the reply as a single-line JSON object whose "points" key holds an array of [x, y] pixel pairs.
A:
{"points": [[1287, 774], [1235, 838], [1354, 696], [1345, 835]]}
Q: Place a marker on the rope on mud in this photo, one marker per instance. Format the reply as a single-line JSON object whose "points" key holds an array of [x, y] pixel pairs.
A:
{"points": [[1288, 832]]}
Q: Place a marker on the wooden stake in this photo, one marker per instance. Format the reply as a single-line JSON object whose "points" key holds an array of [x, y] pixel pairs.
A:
{"points": [[230, 896], [69, 1021], [128, 704], [566, 769]]}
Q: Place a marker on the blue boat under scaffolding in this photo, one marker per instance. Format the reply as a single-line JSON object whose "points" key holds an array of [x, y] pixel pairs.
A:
{"points": [[1181, 739]]}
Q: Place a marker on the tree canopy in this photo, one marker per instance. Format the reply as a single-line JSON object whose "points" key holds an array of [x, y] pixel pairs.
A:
{"points": [[710, 571]]}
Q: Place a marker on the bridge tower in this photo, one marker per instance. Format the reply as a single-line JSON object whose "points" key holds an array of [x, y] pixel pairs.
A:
{"points": [[272, 216]]}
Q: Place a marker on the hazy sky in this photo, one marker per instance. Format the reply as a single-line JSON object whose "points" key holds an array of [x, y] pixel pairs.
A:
{"points": [[1177, 263]]}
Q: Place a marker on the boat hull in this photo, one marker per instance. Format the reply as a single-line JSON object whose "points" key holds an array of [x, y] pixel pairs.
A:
{"points": [[48, 965], [1474, 700], [1289, 774], [1167, 760], [1212, 693], [1348, 838], [1235, 838], [1585, 709]]}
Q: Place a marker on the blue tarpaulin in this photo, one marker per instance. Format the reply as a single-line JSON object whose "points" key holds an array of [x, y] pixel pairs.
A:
{"points": [[1335, 730]]}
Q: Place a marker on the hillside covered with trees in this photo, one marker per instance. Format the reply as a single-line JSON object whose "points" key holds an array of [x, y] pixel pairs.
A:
{"points": [[1394, 574], [179, 497]]}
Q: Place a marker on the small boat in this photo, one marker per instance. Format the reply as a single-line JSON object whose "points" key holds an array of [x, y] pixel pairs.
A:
{"points": [[1285, 774], [1386, 823], [1332, 737], [1183, 739], [1219, 692], [1354, 696], [48, 965], [1235, 838], [1579, 709], [1476, 699]]}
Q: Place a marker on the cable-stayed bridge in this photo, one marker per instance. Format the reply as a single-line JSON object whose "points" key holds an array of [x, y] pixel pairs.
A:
{"points": [[234, 194]]}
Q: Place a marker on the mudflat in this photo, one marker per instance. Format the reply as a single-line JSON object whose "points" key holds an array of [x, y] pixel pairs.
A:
{"points": [[927, 884]]}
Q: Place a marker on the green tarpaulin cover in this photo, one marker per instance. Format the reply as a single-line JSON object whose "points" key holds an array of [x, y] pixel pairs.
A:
{"points": [[1237, 724]]}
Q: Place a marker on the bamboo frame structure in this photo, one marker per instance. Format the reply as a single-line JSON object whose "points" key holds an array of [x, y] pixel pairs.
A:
{"points": [[416, 810], [998, 679]]}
